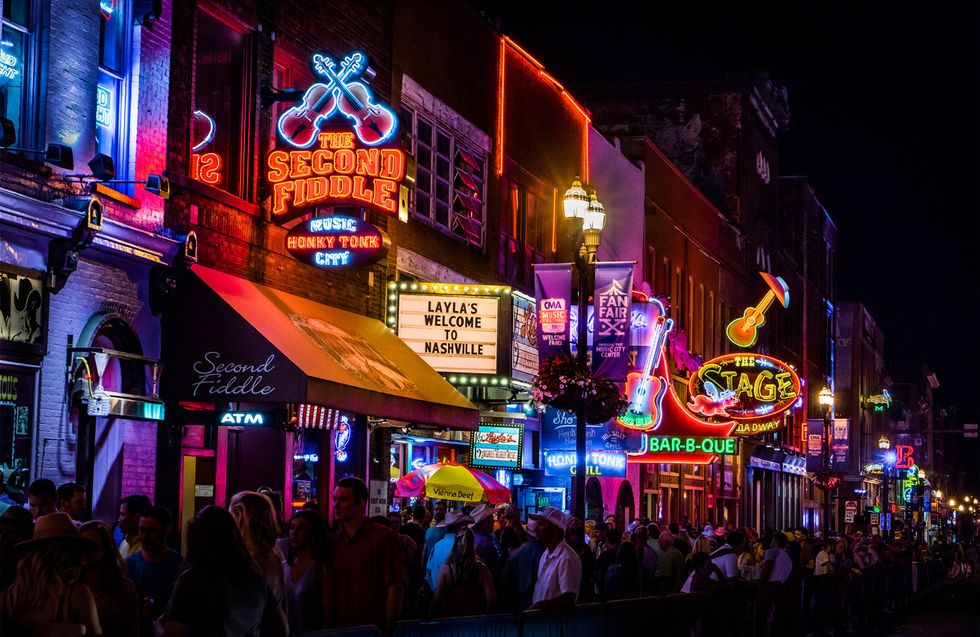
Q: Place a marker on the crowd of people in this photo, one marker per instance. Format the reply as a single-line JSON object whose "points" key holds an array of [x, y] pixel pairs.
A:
{"points": [[249, 572]]}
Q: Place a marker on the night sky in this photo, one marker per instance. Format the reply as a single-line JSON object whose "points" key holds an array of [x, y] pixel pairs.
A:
{"points": [[885, 111]]}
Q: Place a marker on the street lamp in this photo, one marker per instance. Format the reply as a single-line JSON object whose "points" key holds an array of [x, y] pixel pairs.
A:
{"points": [[885, 444], [826, 400], [585, 211]]}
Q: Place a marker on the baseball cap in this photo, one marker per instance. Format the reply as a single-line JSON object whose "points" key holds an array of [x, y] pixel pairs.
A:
{"points": [[550, 514]]}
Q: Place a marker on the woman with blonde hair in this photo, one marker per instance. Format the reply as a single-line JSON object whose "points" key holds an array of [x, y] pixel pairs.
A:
{"points": [[256, 519], [45, 594], [116, 598]]}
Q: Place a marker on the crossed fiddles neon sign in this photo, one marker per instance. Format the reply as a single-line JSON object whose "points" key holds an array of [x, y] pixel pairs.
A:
{"points": [[343, 90]]}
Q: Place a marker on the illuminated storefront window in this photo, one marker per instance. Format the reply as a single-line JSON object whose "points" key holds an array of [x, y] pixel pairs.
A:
{"points": [[17, 55], [111, 98], [218, 105]]}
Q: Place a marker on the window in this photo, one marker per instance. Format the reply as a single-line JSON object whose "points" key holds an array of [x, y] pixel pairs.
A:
{"points": [[219, 108], [702, 344], [112, 92], [651, 273], [450, 183], [689, 302], [17, 67], [527, 225]]}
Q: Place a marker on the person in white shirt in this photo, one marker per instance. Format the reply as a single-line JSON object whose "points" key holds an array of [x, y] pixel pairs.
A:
{"points": [[777, 566], [824, 564], [560, 569], [726, 556]]}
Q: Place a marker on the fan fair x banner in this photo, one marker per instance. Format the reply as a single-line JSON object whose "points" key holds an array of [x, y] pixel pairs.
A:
{"points": [[611, 332], [553, 294]]}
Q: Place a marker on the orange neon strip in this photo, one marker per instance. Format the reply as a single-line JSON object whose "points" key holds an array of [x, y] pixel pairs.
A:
{"points": [[585, 150], [500, 106], [554, 220]]}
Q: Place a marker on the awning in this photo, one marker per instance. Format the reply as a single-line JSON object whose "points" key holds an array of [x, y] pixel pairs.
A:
{"points": [[767, 458], [247, 342], [795, 465]]}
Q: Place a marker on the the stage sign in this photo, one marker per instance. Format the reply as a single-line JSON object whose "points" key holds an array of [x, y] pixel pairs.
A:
{"points": [[750, 389], [337, 242]]}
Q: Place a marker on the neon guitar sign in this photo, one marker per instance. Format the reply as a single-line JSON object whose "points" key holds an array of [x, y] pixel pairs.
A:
{"points": [[646, 392], [744, 331], [374, 123]]}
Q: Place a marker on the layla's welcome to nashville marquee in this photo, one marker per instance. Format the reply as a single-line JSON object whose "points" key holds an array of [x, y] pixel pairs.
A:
{"points": [[342, 147]]}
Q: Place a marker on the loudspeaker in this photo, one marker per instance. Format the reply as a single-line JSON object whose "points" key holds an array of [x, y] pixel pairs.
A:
{"points": [[102, 167]]}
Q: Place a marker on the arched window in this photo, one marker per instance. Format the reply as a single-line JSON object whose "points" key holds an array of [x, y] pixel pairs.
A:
{"points": [[625, 503]]}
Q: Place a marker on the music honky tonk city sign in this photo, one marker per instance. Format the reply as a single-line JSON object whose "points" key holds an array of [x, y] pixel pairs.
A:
{"points": [[341, 146]]}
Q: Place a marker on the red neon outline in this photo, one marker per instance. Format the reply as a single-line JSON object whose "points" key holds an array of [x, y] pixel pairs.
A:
{"points": [[760, 417], [215, 170], [501, 69]]}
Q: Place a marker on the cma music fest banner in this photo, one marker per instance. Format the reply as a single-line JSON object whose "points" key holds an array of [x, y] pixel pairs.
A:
{"points": [[553, 297]]}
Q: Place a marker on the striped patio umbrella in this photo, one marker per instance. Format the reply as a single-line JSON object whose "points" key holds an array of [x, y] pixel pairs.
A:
{"points": [[452, 482]]}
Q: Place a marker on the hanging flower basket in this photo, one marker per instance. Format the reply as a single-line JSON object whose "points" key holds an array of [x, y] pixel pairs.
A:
{"points": [[826, 479], [565, 384]]}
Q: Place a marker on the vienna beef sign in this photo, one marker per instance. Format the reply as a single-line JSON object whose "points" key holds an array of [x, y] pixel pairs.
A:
{"points": [[340, 144]]}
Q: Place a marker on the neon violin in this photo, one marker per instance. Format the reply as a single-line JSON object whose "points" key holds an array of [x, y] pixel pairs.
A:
{"points": [[744, 331], [300, 125], [374, 123], [647, 392]]}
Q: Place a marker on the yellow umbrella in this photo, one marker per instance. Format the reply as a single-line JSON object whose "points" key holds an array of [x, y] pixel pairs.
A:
{"points": [[452, 482]]}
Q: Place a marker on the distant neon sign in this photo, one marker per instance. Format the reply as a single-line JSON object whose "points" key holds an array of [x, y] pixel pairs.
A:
{"points": [[103, 106], [326, 164], [341, 438], [205, 167], [107, 8], [750, 389], [337, 242], [8, 62], [744, 331]]}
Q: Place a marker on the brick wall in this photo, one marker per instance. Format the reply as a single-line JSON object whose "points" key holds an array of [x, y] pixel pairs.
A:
{"points": [[93, 289], [138, 458]]}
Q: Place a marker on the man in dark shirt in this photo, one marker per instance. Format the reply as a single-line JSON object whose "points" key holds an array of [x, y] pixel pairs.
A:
{"points": [[415, 529], [368, 574], [607, 558], [484, 542], [154, 567]]}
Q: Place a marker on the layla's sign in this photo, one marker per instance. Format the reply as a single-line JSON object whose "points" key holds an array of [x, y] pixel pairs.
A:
{"points": [[608, 464], [337, 165], [455, 334], [497, 447], [746, 388], [337, 242]]}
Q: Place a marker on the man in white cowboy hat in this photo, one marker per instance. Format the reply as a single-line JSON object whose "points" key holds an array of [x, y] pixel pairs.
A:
{"points": [[454, 522], [560, 569], [484, 542]]}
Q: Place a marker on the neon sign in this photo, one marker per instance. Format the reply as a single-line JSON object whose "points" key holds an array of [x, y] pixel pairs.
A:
{"points": [[750, 389], [352, 165], [8, 62], [244, 418], [373, 122], [903, 456], [337, 242], [337, 172], [341, 438], [597, 463], [880, 402], [647, 392], [103, 106], [205, 167], [744, 331], [107, 8]]}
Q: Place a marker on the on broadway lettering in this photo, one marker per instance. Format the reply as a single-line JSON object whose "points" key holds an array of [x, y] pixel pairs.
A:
{"points": [[231, 378]]}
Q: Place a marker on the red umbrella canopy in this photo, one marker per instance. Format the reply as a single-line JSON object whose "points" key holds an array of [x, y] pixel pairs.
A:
{"points": [[452, 482]]}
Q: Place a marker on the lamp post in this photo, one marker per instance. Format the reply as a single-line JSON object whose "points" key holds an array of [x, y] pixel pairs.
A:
{"points": [[885, 444], [826, 399], [584, 210]]}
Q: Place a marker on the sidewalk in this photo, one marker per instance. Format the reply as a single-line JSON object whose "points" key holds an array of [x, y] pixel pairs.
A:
{"points": [[953, 613]]}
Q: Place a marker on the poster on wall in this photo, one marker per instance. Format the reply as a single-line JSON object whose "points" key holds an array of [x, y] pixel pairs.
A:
{"points": [[814, 445], [22, 311], [840, 443], [524, 343], [17, 413]]}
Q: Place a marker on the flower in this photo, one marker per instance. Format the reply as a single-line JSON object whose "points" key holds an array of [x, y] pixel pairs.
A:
{"points": [[564, 383]]}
